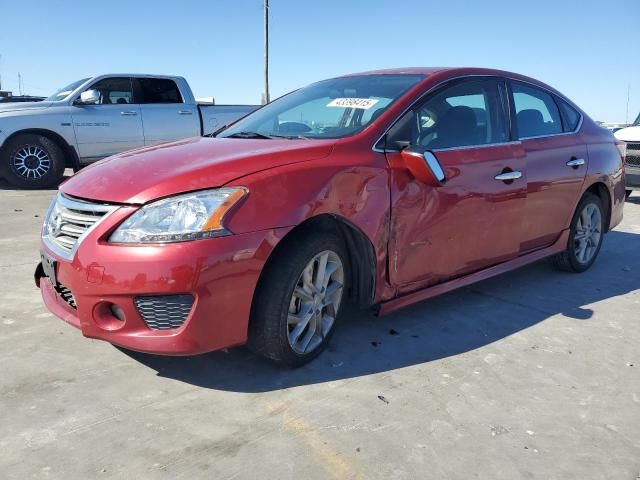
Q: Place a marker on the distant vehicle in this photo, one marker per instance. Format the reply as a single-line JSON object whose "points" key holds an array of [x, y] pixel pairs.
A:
{"points": [[20, 98], [613, 126], [378, 189], [631, 137], [96, 117]]}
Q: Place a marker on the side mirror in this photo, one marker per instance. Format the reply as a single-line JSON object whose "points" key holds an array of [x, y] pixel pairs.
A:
{"points": [[90, 97], [424, 165]]}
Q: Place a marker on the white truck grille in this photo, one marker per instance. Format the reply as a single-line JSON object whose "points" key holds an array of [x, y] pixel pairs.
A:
{"points": [[68, 221]]}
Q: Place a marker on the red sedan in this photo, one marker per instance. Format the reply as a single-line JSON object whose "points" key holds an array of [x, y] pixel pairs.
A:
{"points": [[378, 189]]}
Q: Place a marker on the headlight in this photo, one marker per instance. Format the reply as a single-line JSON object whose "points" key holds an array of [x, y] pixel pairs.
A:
{"points": [[192, 216]]}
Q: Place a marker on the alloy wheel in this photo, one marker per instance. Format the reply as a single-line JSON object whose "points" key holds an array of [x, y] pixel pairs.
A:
{"points": [[588, 233], [31, 162], [315, 302]]}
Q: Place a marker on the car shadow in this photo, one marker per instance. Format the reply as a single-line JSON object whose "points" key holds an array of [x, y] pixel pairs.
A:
{"points": [[5, 185], [442, 327]]}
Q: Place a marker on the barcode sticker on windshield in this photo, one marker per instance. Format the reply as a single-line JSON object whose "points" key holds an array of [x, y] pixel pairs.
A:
{"points": [[361, 103]]}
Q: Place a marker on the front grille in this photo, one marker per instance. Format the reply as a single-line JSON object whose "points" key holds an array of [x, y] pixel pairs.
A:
{"points": [[632, 157], [164, 312], [68, 220], [66, 295]]}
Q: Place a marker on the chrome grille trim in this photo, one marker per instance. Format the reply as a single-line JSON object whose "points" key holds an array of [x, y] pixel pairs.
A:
{"points": [[164, 312], [69, 221]]}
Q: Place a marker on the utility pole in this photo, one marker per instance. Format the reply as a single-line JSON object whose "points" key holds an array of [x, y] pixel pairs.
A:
{"points": [[265, 95], [626, 115]]}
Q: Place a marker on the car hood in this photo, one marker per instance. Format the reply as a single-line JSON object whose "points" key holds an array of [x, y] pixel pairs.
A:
{"points": [[629, 134], [146, 174], [19, 106]]}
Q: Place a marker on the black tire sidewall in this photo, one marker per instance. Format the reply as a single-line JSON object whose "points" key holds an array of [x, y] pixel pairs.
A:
{"points": [[54, 152], [275, 291], [573, 260]]}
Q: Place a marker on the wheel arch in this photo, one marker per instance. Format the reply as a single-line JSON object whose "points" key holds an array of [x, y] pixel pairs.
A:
{"points": [[362, 258], [70, 154], [600, 190]]}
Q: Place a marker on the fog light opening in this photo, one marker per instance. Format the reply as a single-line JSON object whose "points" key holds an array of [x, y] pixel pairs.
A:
{"points": [[117, 312]]}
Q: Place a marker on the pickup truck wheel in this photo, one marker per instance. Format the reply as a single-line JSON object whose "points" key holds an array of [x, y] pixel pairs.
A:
{"points": [[298, 300], [32, 161], [585, 236]]}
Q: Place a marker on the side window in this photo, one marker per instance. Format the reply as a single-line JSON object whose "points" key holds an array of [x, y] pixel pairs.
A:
{"points": [[536, 112], [570, 116], [159, 90], [464, 114], [114, 91]]}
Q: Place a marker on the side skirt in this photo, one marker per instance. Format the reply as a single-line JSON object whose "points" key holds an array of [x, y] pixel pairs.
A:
{"points": [[397, 303]]}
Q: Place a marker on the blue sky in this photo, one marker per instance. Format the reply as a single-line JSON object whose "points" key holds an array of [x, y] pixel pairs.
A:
{"points": [[589, 50]]}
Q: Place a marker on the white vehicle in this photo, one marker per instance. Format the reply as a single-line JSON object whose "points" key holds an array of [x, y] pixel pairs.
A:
{"points": [[96, 117], [631, 137]]}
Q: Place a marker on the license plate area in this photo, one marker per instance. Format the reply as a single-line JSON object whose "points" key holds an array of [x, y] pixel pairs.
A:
{"points": [[49, 267]]}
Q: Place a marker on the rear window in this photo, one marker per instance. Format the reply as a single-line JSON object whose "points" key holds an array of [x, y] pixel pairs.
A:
{"points": [[159, 90], [537, 114]]}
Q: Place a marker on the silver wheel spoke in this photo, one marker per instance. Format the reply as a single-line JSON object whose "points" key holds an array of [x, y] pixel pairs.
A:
{"points": [[314, 303]]}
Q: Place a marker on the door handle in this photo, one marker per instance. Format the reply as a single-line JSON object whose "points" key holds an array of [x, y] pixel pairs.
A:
{"points": [[185, 112], [508, 176], [575, 162], [129, 113]]}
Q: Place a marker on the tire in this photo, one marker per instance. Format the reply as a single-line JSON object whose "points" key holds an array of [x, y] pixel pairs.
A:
{"points": [[272, 330], [628, 193], [32, 161], [571, 259]]}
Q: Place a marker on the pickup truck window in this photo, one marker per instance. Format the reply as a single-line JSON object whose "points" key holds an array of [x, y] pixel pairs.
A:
{"points": [[113, 91], [159, 90], [334, 108], [65, 91]]}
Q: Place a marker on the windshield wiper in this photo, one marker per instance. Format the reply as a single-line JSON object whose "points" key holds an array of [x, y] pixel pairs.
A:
{"points": [[249, 135]]}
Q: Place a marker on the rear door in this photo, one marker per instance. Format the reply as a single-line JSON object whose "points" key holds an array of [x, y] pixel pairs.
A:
{"points": [[111, 126], [556, 162], [165, 115], [473, 220]]}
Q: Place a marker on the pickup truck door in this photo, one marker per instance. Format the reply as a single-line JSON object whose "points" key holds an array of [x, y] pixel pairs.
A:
{"points": [[111, 126], [165, 115]]}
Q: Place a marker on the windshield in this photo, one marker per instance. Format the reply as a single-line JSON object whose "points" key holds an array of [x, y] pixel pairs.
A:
{"points": [[64, 92], [334, 108], [637, 122]]}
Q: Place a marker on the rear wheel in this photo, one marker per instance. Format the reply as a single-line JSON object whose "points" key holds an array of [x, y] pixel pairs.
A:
{"points": [[32, 161], [299, 298], [628, 193], [585, 236]]}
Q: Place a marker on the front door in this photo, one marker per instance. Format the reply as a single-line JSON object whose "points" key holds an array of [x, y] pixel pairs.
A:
{"points": [[111, 126], [556, 162], [474, 219]]}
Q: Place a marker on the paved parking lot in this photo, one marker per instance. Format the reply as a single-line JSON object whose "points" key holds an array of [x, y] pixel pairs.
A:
{"points": [[535, 374]]}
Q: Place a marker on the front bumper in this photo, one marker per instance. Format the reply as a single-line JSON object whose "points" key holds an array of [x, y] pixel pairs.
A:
{"points": [[220, 273], [632, 177]]}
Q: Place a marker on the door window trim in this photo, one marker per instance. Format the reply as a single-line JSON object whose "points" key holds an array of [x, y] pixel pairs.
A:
{"points": [[553, 98], [508, 81]]}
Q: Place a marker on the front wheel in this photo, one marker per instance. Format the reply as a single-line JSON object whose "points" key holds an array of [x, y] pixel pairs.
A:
{"points": [[585, 236], [32, 161], [299, 298]]}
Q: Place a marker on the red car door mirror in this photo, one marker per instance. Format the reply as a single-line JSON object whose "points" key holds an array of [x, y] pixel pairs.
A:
{"points": [[423, 165]]}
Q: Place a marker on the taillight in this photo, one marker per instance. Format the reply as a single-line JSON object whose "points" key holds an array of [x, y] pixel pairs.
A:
{"points": [[622, 148]]}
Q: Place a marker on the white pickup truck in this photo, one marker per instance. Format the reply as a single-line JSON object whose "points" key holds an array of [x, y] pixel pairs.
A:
{"points": [[95, 117], [631, 137]]}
